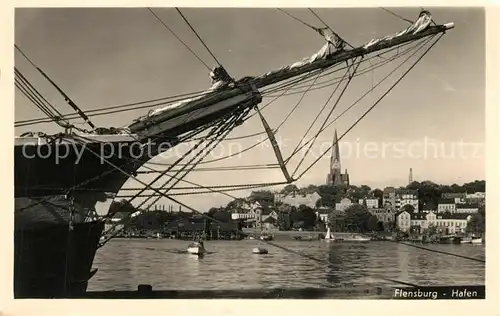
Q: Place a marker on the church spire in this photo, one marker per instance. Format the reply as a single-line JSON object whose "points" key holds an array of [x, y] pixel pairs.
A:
{"points": [[335, 159], [335, 176]]}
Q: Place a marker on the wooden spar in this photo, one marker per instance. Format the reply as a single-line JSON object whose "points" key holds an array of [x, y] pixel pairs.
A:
{"points": [[259, 82], [276, 147], [348, 54]]}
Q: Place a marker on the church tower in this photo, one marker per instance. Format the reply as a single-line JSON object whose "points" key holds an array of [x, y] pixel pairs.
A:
{"points": [[335, 176]]}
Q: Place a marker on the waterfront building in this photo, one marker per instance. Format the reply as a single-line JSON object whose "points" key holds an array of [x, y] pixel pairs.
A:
{"points": [[403, 221], [241, 215], [335, 176], [445, 223]]}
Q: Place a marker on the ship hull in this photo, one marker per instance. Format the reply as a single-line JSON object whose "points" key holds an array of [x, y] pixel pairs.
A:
{"points": [[51, 261], [54, 247]]}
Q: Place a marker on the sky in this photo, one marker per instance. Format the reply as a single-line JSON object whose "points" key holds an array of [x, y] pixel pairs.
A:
{"points": [[432, 122]]}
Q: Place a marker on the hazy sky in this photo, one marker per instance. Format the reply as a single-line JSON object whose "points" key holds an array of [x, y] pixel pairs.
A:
{"points": [[432, 122]]}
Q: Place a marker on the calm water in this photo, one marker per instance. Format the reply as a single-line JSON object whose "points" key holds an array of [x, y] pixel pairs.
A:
{"points": [[123, 264]]}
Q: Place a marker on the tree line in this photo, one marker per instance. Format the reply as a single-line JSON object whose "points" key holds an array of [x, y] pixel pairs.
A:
{"points": [[356, 218]]}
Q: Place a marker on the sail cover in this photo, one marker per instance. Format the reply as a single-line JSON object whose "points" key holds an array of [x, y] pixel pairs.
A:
{"points": [[423, 21]]}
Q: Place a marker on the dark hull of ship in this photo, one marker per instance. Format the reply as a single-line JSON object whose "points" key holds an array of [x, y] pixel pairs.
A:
{"points": [[51, 259]]}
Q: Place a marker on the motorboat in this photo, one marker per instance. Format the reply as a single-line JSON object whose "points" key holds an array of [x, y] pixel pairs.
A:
{"points": [[477, 241], [259, 251], [266, 237], [196, 248], [466, 240], [356, 238]]}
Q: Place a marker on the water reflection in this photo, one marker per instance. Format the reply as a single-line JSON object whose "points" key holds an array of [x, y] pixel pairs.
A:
{"points": [[123, 264]]}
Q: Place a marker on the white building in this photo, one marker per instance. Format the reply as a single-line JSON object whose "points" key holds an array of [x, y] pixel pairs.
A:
{"points": [[245, 210], [451, 224], [239, 215], [296, 199], [403, 221], [370, 203]]}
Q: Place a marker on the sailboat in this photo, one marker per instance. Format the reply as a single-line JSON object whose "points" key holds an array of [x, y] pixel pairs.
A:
{"points": [[329, 236], [57, 230]]}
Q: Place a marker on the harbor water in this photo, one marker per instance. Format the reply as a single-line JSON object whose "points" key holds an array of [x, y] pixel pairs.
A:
{"points": [[230, 265]]}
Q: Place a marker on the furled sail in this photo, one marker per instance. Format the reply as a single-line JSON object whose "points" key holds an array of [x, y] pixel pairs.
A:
{"points": [[423, 21]]}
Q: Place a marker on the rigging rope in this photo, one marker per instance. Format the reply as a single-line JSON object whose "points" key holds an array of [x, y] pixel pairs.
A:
{"points": [[105, 173], [32, 98], [204, 215], [226, 130], [214, 130], [226, 168], [263, 140], [171, 99], [305, 144], [197, 35], [66, 98], [322, 109], [331, 111], [219, 130], [372, 107], [223, 130], [178, 38], [356, 102], [396, 15], [38, 99], [330, 28], [365, 70], [108, 110], [299, 20]]}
